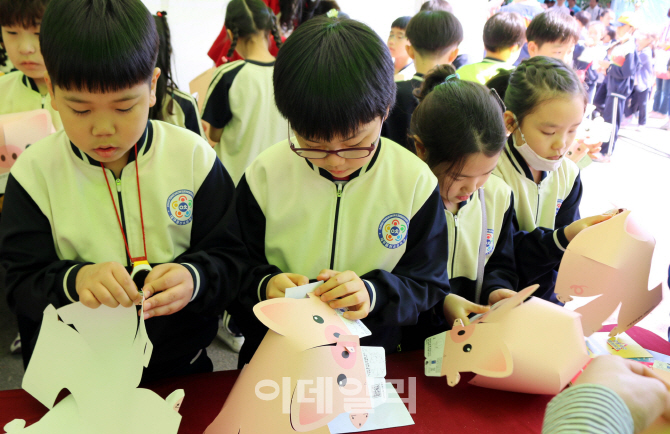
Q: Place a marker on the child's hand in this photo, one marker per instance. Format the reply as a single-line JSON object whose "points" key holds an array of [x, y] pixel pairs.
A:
{"points": [[277, 285], [457, 307], [108, 283], [500, 294], [645, 394], [172, 285], [577, 226], [344, 289]]}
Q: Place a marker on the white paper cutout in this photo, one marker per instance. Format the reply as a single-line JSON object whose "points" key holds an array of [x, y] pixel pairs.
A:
{"points": [[98, 355]]}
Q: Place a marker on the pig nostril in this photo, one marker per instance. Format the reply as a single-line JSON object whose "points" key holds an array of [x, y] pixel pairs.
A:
{"points": [[461, 332], [345, 355], [337, 335], [467, 348]]}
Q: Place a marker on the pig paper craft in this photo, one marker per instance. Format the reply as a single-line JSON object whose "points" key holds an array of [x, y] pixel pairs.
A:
{"points": [[611, 260], [308, 370], [98, 355], [530, 347]]}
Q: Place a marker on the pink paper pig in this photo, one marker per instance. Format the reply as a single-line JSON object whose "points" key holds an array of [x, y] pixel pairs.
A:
{"points": [[306, 372], [8, 156], [611, 259], [530, 347]]}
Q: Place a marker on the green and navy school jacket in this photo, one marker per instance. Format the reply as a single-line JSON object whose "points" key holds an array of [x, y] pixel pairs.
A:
{"points": [[19, 93], [386, 224], [185, 112], [542, 211], [464, 235], [60, 217]]}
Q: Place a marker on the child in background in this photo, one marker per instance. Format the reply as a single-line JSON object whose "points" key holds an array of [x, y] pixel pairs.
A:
{"points": [[374, 234], [586, 56], [545, 105], [552, 34], [434, 39], [239, 105], [62, 241], [619, 81], [504, 35], [397, 42], [461, 143], [25, 89], [644, 79], [172, 105]]}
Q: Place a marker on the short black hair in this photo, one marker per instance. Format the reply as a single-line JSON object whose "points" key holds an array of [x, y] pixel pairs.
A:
{"points": [[436, 5], [401, 23], [605, 11], [504, 30], [434, 32], [98, 45], [583, 17], [27, 13], [552, 26], [332, 76], [455, 119]]}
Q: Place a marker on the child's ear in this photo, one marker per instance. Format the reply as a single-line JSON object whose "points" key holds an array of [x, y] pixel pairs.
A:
{"points": [[453, 55], [50, 88], [510, 123], [154, 83], [533, 48], [420, 149], [410, 51]]}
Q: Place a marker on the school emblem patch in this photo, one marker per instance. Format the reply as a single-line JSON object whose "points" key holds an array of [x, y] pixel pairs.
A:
{"points": [[180, 207], [558, 205], [489, 241], [393, 231]]}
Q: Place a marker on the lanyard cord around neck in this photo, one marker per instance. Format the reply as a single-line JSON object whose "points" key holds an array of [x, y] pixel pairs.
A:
{"points": [[118, 218]]}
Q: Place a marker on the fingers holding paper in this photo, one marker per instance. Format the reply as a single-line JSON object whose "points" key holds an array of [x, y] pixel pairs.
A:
{"points": [[344, 289], [107, 283], [172, 288], [456, 306], [278, 284]]}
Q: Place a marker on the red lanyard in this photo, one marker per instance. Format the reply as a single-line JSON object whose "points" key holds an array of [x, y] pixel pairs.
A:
{"points": [[139, 194]]}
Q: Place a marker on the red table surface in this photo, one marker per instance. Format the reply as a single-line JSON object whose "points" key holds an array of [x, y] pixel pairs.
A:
{"points": [[439, 408]]}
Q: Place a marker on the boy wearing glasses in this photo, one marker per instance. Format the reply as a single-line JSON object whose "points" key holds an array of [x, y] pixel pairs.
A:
{"points": [[336, 202]]}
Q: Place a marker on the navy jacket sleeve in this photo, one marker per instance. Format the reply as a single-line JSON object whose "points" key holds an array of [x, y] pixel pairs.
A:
{"points": [[217, 111], [252, 227], [217, 258], [191, 115], [536, 251], [500, 269], [419, 281], [36, 277], [396, 126]]}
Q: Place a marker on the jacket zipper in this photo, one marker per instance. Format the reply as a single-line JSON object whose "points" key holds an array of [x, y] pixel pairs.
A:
{"points": [[337, 215], [123, 218], [453, 261], [537, 208], [43, 99]]}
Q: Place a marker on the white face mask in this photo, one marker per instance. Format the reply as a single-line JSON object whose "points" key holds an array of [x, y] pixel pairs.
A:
{"points": [[531, 157]]}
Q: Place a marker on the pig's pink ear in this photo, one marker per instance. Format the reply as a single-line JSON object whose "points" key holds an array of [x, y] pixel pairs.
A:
{"points": [[497, 364], [310, 415], [274, 313], [500, 309]]}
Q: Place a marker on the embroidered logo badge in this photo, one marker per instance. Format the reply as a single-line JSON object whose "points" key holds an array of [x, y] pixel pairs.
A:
{"points": [[489, 241], [393, 231], [180, 207], [559, 202]]}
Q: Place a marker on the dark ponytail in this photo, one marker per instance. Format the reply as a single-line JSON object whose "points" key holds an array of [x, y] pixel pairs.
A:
{"points": [[3, 54], [535, 81], [165, 85], [249, 17], [456, 119]]}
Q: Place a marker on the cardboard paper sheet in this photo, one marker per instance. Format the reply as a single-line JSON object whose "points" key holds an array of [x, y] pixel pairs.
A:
{"points": [[611, 260], [598, 344], [299, 292], [308, 370], [515, 346], [17, 132], [391, 414], [98, 355]]}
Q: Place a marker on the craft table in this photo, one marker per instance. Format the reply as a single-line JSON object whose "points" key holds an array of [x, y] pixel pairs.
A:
{"points": [[439, 408]]}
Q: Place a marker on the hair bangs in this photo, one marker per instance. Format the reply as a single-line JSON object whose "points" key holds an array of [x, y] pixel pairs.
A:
{"points": [[26, 13], [331, 77], [99, 45]]}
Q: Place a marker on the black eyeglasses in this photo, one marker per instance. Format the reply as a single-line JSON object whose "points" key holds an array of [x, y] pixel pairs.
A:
{"points": [[348, 153]]}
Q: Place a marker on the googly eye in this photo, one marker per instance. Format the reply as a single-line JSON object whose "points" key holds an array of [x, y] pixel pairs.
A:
{"points": [[467, 348], [341, 380]]}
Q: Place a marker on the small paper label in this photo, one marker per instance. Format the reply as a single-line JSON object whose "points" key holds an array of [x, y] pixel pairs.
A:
{"points": [[663, 366], [377, 391], [374, 359], [433, 367], [434, 346], [299, 292], [355, 327], [615, 344]]}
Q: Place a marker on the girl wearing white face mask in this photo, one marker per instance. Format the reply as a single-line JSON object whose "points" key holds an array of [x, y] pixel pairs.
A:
{"points": [[545, 104]]}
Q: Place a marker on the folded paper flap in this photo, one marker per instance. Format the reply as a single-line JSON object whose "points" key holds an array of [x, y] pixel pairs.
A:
{"points": [[614, 241], [25, 128], [503, 307]]}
